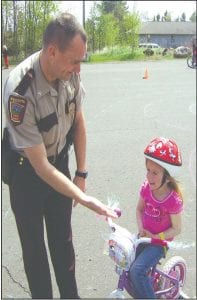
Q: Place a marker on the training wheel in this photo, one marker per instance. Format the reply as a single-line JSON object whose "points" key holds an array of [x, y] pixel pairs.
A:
{"points": [[117, 294]]}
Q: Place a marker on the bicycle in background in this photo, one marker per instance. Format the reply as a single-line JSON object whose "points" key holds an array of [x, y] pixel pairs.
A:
{"points": [[191, 61]]}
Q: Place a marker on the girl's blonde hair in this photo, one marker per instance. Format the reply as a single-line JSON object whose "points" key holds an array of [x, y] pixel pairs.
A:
{"points": [[173, 184]]}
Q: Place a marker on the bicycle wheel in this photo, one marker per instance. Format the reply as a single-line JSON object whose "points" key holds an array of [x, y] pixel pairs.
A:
{"points": [[175, 267], [117, 294], [190, 63]]}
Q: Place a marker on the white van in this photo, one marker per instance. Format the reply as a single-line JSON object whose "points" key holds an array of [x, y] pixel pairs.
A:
{"points": [[148, 45]]}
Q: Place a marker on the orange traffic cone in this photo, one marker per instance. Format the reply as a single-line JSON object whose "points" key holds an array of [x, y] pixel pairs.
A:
{"points": [[146, 74]]}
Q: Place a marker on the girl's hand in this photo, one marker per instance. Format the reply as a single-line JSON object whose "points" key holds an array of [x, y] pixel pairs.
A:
{"points": [[142, 232], [149, 234]]}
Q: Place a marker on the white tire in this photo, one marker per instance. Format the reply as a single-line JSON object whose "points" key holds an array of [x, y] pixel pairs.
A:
{"points": [[176, 267], [117, 294]]}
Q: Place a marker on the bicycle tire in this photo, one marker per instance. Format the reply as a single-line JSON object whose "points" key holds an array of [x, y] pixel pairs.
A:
{"points": [[176, 267], [190, 64], [116, 294]]}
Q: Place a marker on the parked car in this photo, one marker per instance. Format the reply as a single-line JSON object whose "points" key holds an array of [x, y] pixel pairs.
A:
{"points": [[149, 45], [150, 48], [182, 51]]}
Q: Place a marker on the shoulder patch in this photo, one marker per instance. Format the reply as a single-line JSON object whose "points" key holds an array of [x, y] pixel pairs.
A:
{"points": [[16, 107], [25, 83]]}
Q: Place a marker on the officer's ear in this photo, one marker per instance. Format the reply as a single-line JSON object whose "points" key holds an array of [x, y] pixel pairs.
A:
{"points": [[52, 51]]}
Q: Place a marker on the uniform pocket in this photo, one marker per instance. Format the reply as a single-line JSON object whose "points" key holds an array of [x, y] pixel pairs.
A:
{"points": [[46, 123]]}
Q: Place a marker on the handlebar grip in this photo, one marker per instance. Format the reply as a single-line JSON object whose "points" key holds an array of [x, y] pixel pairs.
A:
{"points": [[118, 212], [159, 242]]}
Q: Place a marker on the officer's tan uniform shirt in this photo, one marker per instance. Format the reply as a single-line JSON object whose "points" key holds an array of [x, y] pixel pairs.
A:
{"points": [[48, 113]]}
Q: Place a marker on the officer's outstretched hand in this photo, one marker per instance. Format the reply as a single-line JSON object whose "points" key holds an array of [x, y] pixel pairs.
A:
{"points": [[100, 208]]}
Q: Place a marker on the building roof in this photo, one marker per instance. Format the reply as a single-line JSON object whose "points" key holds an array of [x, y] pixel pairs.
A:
{"points": [[155, 27]]}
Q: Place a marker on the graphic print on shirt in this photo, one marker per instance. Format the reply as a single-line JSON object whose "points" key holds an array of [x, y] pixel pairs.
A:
{"points": [[154, 212]]}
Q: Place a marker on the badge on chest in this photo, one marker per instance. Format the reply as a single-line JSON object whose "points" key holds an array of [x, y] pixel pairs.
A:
{"points": [[70, 105], [70, 109]]}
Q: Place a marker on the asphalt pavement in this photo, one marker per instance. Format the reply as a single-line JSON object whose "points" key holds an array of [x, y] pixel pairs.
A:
{"points": [[123, 113]]}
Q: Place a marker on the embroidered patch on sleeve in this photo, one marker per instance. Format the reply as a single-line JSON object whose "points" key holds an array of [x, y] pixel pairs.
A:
{"points": [[16, 107]]}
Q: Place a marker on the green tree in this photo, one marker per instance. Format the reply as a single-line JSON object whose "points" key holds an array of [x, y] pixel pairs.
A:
{"points": [[106, 31], [91, 28], [117, 8], [193, 17], [38, 14], [132, 25], [183, 17], [111, 30], [6, 22], [23, 23], [167, 16], [15, 27], [158, 17], [110, 23]]}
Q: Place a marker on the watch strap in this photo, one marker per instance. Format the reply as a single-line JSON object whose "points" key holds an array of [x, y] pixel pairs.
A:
{"points": [[81, 174]]}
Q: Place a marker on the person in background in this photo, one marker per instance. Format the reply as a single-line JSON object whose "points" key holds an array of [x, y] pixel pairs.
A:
{"points": [[194, 50], [5, 57], [158, 210], [43, 99]]}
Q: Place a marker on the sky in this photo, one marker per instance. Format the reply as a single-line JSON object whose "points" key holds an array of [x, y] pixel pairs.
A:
{"points": [[145, 8]]}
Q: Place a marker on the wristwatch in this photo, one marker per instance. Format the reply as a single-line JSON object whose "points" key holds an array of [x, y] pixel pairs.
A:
{"points": [[81, 174]]}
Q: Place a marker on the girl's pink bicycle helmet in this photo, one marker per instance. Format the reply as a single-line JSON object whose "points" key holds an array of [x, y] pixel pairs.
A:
{"points": [[165, 153]]}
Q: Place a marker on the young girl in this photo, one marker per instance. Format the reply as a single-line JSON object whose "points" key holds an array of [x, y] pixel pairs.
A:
{"points": [[158, 210]]}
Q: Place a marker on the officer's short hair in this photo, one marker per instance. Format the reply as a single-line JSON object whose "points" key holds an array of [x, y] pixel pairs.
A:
{"points": [[62, 30]]}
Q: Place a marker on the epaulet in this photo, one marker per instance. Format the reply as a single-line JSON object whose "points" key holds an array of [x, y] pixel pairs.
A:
{"points": [[25, 83]]}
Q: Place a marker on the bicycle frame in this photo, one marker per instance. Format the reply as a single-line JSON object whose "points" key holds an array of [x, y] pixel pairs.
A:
{"points": [[124, 282], [172, 280]]}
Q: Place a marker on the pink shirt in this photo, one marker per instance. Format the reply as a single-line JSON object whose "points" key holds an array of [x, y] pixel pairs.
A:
{"points": [[156, 215]]}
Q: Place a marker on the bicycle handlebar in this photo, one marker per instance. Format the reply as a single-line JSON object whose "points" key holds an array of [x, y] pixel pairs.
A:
{"points": [[148, 240], [159, 242], [152, 241]]}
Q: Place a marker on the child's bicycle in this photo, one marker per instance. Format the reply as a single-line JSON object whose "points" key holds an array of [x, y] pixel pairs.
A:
{"points": [[168, 282]]}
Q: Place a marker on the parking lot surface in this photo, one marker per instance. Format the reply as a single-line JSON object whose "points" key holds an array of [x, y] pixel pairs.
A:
{"points": [[123, 113]]}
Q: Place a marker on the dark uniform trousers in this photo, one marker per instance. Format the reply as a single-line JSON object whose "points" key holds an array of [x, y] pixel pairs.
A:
{"points": [[33, 202]]}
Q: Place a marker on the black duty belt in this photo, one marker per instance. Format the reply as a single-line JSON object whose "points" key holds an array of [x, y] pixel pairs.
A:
{"points": [[63, 155]]}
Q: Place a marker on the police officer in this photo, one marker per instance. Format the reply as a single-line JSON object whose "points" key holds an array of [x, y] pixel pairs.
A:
{"points": [[43, 98]]}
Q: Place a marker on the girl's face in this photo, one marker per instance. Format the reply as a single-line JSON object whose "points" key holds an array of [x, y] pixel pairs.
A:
{"points": [[154, 174]]}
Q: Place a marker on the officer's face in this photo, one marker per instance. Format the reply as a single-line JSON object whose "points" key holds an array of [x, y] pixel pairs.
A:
{"points": [[63, 64]]}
